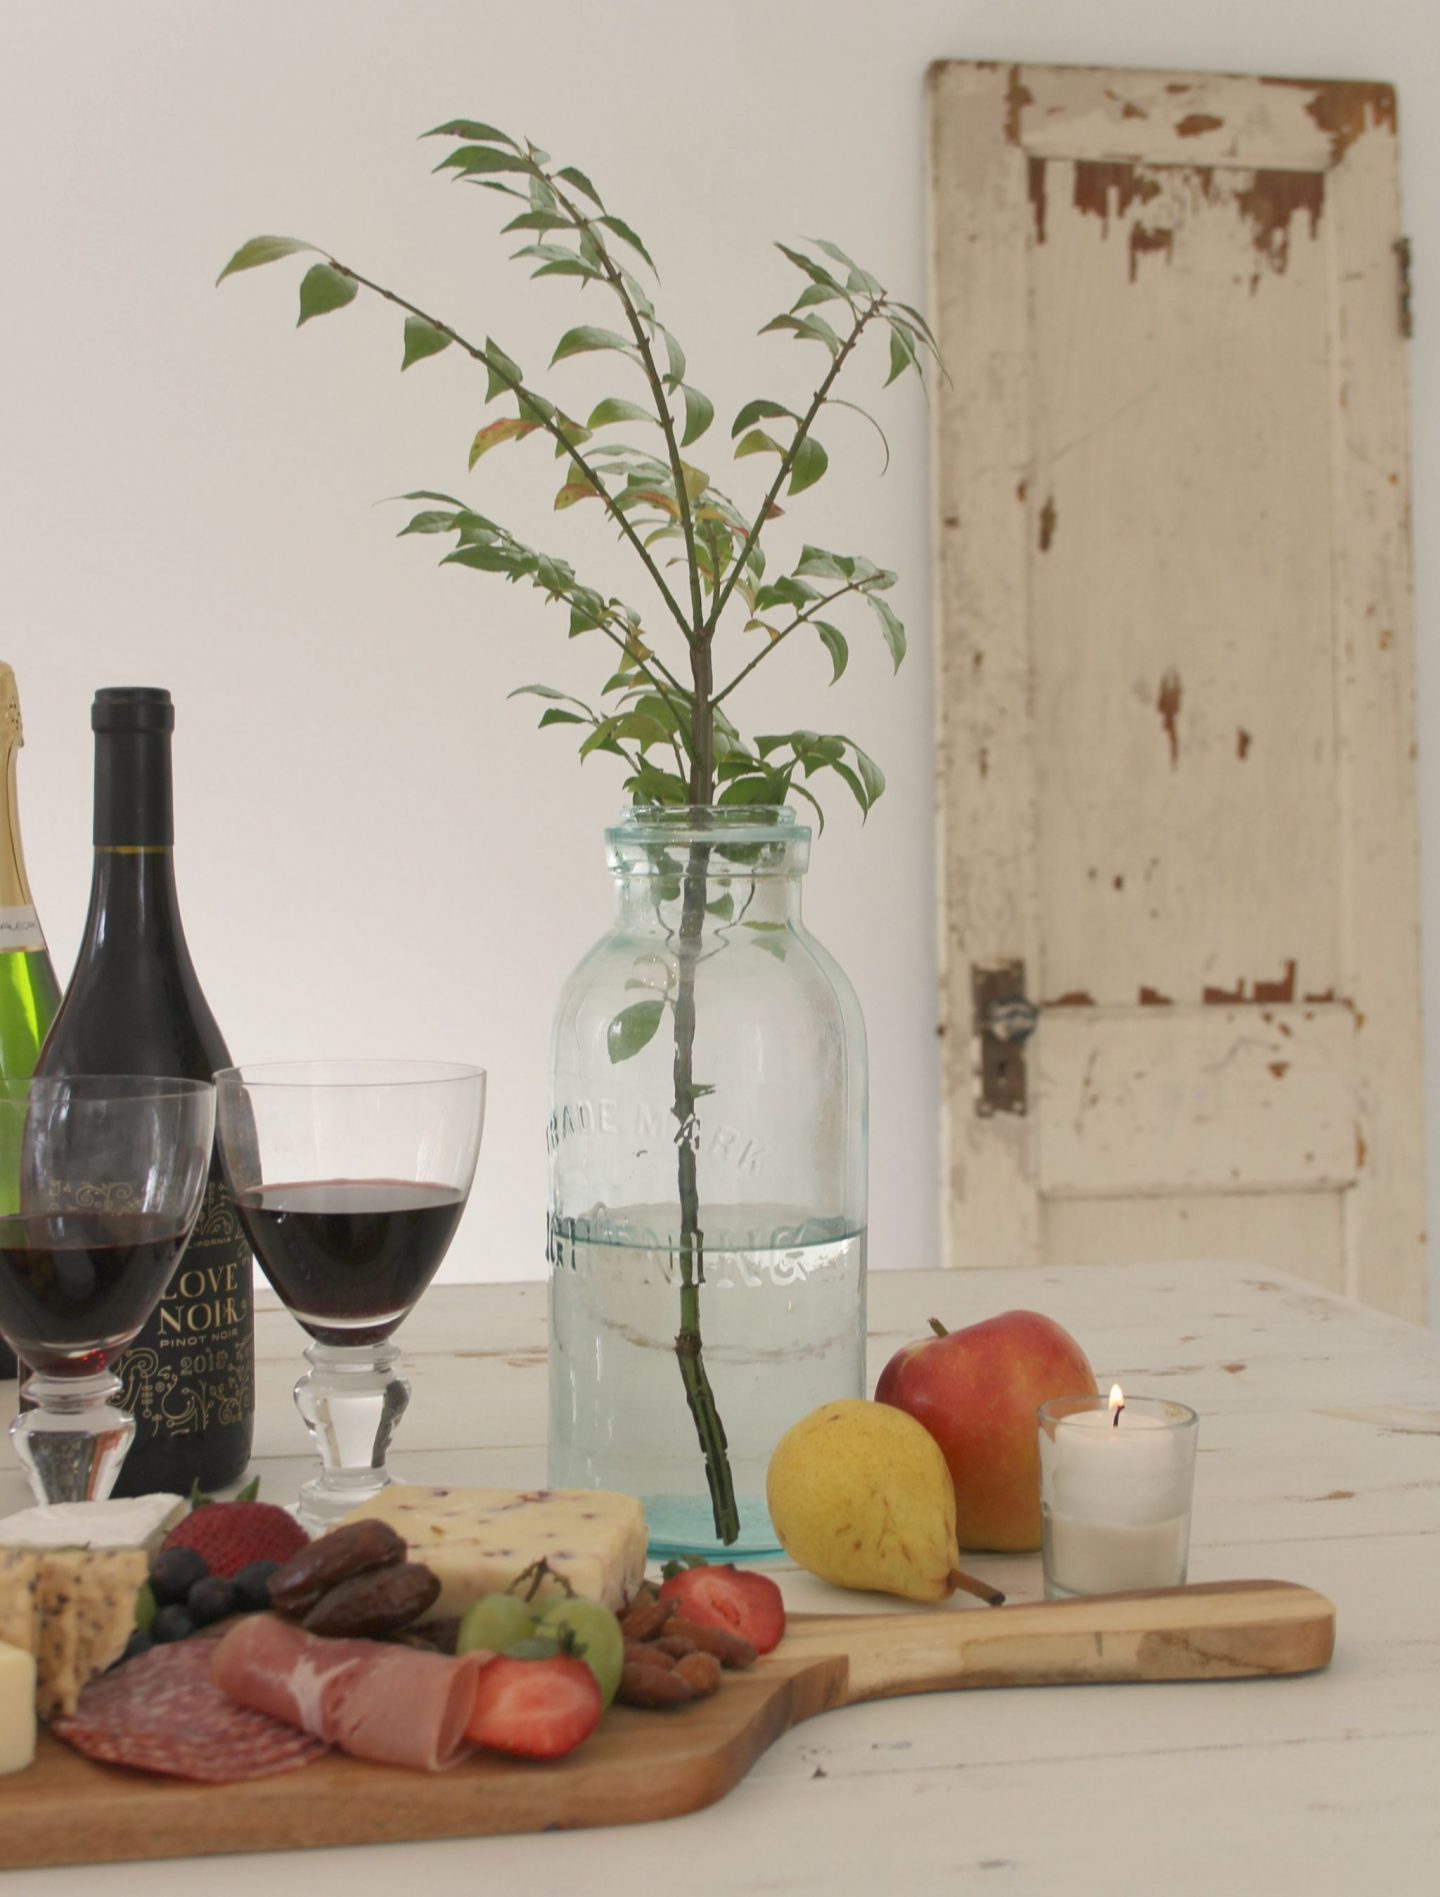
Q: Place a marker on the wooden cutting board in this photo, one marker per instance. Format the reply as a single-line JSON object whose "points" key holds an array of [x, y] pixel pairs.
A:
{"points": [[639, 1766]]}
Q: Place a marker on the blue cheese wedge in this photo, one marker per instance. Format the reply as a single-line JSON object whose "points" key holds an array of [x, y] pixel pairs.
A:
{"points": [[479, 1541], [138, 1521], [72, 1610]]}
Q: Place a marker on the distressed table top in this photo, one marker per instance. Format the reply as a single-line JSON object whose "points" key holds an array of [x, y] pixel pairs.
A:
{"points": [[1319, 1463]]}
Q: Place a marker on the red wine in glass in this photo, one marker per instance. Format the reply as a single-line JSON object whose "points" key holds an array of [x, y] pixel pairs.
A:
{"points": [[75, 1287], [350, 1257]]}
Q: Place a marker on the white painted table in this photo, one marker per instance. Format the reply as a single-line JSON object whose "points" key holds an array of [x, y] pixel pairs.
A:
{"points": [[1319, 1463]]}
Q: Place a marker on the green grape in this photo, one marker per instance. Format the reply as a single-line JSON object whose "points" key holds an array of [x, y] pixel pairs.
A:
{"points": [[596, 1637], [496, 1623], [144, 1608]]}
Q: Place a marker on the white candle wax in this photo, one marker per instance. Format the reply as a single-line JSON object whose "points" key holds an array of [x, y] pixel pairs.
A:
{"points": [[1116, 1498]]}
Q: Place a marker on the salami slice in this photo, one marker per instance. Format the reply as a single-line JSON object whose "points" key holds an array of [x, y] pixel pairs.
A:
{"points": [[160, 1713]]}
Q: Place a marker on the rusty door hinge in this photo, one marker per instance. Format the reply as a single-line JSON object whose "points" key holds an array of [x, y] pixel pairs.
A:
{"points": [[1003, 1020], [1407, 313]]}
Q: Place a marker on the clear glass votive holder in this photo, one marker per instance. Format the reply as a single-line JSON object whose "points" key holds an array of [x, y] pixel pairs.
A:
{"points": [[1115, 1494]]}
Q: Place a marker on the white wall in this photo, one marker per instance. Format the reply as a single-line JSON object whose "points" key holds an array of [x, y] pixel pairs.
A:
{"points": [[376, 852]]}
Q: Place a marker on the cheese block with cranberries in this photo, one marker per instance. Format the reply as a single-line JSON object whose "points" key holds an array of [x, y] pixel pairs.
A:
{"points": [[479, 1541]]}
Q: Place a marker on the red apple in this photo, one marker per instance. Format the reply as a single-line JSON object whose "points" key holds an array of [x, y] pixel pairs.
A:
{"points": [[976, 1391]]}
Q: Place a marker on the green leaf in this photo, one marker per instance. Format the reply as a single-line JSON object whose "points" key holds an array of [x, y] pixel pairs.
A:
{"points": [[576, 342], [499, 367], [675, 355], [699, 413], [322, 289], [833, 251], [557, 717], [773, 937], [871, 775], [723, 907], [471, 128], [844, 770], [547, 691], [890, 626], [615, 409], [432, 521], [817, 293], [834, 643], [787, 591], [493, 434], [810, 463], [758, 442], [759, 411], [537, 221], [622, 229], [823, 565], [470, 161], [574, 491], [817, 273], [581, 183], [902, 352], [422, 339], [262, 250], [633, 1028]]}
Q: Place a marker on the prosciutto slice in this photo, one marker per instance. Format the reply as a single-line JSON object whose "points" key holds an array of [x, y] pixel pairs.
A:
{"points": [[390, 1704]]}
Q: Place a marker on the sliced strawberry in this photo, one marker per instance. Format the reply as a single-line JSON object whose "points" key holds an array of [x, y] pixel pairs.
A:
{"points": [[732, 1599], [535, 1709]]}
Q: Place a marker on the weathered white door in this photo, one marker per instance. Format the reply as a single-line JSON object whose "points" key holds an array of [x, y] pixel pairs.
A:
{"points": [[1176, 672]]}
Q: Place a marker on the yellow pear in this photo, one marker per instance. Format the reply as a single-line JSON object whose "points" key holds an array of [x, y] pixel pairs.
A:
{"points": [[860, 1494]]}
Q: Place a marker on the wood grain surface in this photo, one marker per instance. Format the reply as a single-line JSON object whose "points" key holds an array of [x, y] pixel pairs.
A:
{"points": [[641, 1766]]}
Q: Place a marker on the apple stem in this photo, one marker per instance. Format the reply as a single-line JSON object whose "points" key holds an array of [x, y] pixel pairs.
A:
{"points": [[938, 1328], [991, 1596]]}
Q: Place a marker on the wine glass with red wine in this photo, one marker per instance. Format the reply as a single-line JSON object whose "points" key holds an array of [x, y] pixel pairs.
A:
{"points": [[350, 1178], [111, 1175]]}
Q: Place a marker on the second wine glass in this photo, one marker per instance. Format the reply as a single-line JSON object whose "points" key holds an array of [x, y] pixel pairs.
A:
{"points": [[350, 1178]]}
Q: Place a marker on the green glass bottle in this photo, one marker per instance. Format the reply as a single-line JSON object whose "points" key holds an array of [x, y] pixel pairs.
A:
{"points": [[29, 993]]}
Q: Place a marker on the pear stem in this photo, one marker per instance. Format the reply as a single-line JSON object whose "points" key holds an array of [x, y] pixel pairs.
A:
{"points": [[938, 1328], [991, 1596]]}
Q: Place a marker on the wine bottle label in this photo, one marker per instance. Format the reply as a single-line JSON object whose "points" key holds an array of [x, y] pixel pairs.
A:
{"points": [[20, 929], [193, 1365]]}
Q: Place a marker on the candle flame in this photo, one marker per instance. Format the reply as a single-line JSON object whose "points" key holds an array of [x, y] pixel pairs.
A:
{"points": [[1117, 1403]]}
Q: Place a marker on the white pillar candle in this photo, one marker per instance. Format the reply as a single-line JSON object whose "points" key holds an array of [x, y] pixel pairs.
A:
{"points": [[1115, 1493]]}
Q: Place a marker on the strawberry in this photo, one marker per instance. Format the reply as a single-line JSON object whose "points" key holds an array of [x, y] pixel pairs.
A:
{"points": [[229, 1536], [732, 1599], [535, 1709]]}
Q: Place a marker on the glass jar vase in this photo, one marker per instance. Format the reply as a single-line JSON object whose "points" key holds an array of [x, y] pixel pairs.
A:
{"points": [[707, 1140]]}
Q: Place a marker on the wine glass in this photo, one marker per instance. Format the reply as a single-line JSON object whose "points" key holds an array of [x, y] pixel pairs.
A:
{"points": [[350, 1178], [106, 1174]]}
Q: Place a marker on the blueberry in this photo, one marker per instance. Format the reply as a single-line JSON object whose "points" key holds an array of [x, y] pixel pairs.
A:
{"points": [[174, 1572], [252, 1587], [211, 1599], [137, 1644], [171, 1622]]}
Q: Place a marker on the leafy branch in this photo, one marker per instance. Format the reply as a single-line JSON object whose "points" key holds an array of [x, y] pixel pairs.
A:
{"points": [[676, 742]]}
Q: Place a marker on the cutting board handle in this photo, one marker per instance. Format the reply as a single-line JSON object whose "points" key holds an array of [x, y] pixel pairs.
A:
{"points": [[1212, 1631]]}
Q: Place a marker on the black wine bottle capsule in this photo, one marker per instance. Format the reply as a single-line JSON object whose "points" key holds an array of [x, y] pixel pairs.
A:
{"points": [[134, 1006]]}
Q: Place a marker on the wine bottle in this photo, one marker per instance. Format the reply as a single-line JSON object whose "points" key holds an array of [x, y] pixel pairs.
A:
{"points": [[29, 993], [134, 1006]]}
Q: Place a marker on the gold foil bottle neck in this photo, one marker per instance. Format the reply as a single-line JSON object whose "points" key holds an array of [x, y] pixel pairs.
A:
{"points": [[11, 734]]}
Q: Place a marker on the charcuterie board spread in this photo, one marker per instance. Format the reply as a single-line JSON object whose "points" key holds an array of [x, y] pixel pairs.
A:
{"points": [[647, 1765]]}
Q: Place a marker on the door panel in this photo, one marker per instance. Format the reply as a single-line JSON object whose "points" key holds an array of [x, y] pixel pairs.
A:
{"points": [[1175, 667]]}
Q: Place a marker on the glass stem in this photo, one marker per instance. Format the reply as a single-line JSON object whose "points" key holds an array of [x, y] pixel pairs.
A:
{"points": [[73, 1440], [351, 1400]]}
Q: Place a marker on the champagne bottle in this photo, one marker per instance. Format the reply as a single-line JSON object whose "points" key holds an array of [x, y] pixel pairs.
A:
{"points": [[134, 1006], [29, 993]]}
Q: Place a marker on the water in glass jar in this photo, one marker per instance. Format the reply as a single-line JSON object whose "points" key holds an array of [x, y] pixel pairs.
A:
{"points": [[782, 1316]]}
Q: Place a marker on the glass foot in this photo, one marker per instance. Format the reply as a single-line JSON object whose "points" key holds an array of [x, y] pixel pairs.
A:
{"points": [[351, 1399], [73, 1440]]}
